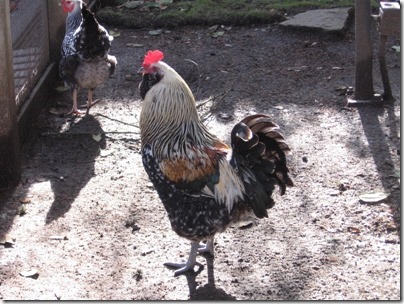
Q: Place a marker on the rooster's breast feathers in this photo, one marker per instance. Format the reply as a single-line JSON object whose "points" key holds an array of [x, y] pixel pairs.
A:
{"points": [[204, 171]]}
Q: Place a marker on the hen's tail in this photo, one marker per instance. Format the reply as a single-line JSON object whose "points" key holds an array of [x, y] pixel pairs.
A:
{"points": [[259, 144], [94, 41]]}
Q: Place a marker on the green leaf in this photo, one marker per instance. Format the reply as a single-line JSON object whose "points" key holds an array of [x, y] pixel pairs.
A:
{"points": [[133, 4], [155, 32], [135, 45], [29, 273], [114, 34], [7, 242], [374, 197], [22, 210], [55, 111], [62, 88], [152, 4], [105, 153], [97, 137], [216, 34]]}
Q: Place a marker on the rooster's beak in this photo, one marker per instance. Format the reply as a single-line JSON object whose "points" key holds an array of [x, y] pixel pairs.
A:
{"points": [[141, 71]]}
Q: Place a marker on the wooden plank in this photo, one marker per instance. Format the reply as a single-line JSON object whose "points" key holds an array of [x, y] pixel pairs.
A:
{"points": [[10, 168]]}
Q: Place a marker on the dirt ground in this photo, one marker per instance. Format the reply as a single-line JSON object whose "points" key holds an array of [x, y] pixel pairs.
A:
{"points": [[87, 223]]}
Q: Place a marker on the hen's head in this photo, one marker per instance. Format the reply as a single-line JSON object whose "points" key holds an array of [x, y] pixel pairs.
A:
{"points": [[70, 5]]}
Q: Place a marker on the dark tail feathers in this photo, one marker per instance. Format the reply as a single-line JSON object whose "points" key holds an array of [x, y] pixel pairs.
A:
{"points": [[260, 144]]}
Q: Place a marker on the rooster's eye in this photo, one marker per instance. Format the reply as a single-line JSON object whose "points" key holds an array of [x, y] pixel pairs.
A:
{"points": [[148, 81]]}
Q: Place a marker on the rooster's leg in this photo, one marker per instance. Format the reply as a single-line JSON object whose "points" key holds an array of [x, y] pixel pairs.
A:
{"points": [[189, 265], [75, 110], [208, 247]]}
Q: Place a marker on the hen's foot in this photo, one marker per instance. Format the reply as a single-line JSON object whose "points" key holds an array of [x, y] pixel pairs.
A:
{"points": [[75, 112], [89, 105]]}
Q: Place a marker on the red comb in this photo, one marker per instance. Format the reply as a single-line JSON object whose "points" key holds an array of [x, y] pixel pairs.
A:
{"points": [[152, 57]]}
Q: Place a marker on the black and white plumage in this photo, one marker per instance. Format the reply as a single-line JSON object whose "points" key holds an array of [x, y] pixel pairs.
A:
{"points": [[204, 184], [86, 62]]}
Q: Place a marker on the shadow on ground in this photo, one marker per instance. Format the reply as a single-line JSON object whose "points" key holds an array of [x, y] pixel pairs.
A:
{"points": [[381, 151]]}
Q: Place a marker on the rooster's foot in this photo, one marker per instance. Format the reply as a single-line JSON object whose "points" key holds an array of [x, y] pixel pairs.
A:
{"points": [[189, 265], [182, 267], [206, 248]]}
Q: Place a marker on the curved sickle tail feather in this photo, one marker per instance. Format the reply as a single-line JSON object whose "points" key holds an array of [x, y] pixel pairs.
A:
{"points": [[258, 140]]}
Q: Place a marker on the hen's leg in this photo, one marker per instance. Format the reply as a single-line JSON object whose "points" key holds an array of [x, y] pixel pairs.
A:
{"points": [[90, 101], [189, 265], [75, 110]]}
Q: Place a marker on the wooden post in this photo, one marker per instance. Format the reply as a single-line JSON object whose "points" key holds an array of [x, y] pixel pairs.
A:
{"points": [[57, 28], [363, 51], [10, 168]]}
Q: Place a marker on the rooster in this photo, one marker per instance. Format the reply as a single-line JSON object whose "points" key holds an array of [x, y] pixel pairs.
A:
{"points": [[204, 184], [85, 60]]}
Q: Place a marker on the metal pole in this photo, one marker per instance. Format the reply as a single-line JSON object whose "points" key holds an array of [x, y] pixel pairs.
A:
{"points": [[10, 168], [363, 51]]}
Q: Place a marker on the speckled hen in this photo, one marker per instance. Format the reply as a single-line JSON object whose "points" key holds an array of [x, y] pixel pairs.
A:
{"points": [[85, 60], [204, 184]]}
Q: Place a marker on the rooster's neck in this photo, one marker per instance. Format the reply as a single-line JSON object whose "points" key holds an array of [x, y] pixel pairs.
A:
{"points": [[169, 121]]}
